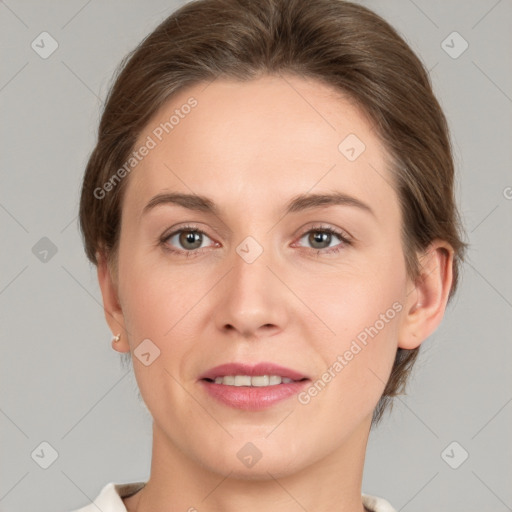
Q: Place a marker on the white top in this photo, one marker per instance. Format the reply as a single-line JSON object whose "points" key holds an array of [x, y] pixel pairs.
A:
{"points": [[109, 499]]}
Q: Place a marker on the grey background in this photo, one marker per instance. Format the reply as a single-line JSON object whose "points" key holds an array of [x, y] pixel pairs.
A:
{"points": [[62, 383]]}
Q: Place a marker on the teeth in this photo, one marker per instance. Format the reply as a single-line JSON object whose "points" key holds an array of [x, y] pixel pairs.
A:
{"points": [[242, 380], [260, 380], [274, 379], [256, 381]]}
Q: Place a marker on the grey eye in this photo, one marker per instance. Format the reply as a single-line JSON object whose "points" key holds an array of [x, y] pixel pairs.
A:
{"points": [[187, 239]]}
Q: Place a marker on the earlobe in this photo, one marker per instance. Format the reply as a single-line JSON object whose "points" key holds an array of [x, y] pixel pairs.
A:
{"points": [[426, 302], [111, 305]]}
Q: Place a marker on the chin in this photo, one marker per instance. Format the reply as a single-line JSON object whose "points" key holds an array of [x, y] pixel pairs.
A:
{"points": [[262, 470], [260, 459]]}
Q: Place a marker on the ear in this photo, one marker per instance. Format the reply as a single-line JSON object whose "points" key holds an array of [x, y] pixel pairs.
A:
{"points": [[428, 296], [111, 306]]}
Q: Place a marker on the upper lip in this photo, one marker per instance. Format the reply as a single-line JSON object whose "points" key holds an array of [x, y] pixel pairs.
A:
{"points": [[263, 368]]}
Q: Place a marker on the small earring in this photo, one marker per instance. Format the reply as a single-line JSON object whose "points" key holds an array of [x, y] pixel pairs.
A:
{"points": [[115, 339]]}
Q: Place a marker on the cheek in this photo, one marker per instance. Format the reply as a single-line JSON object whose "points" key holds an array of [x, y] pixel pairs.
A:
{"points": [[156, 296], [158, 306], [362, 303], [356, 365], [364, 313]]}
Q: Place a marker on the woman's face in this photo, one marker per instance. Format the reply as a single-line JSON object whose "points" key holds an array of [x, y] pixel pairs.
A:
{"points": [[262, 282]]}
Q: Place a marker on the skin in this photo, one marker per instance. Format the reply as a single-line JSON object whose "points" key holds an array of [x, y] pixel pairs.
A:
{"points": [[251, 147]]}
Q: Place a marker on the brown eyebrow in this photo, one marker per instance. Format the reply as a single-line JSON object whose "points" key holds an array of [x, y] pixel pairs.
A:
{"points": [[309, 201], [296, 204], [189, 201]]}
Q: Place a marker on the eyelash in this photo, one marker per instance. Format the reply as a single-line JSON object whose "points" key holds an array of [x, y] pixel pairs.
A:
{"points": [[345, 240]]}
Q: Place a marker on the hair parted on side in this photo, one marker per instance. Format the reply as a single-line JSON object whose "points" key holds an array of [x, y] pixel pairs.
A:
{"points": [[339, 43]]}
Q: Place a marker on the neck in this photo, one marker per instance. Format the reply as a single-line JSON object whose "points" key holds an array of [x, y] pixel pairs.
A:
{"points": [[179, 483]]}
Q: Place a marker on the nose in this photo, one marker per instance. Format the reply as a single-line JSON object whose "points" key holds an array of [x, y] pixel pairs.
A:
{"points": [[252, 299]]}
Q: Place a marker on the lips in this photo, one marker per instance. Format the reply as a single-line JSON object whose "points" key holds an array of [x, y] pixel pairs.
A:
{"points": [[234, 369], [252, 387]]}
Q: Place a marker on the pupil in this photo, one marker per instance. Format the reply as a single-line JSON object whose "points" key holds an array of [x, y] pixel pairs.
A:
{"points": [[190, 237], [319, 237]]}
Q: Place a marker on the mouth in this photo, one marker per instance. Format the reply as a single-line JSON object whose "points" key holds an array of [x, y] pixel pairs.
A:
{"points": [[256, 381], [252, 387]]}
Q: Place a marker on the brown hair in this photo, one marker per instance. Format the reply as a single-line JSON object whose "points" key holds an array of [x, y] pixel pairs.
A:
{"points": [[339, 43]]}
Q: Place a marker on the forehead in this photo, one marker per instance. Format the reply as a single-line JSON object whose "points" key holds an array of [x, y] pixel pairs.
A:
{"points": [[258, 143]]}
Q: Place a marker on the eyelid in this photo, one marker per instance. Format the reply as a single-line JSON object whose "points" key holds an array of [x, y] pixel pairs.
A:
{"points": [[346, 240], [318, 226], [187, 227]]}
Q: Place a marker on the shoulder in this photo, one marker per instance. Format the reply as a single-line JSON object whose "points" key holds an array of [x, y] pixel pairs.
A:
{"points": [[376, 504], [110, 497]]}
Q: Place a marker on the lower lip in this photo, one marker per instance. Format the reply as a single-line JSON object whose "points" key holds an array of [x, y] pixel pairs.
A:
{"points": [[252, 398]]}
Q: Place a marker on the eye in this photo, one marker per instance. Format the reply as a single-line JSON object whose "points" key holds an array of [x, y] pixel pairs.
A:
{"points": [[320, 237], [188, 239]]}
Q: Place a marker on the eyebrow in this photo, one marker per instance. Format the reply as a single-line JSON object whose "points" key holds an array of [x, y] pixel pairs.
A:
{"points": [[298, 203]]}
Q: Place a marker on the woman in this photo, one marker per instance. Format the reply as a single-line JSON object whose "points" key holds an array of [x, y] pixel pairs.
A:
{"points": [[298, 148]]}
